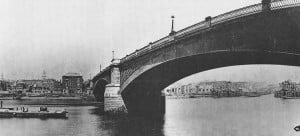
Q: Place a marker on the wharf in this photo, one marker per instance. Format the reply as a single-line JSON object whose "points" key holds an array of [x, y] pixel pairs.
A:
{"points": [[67, 104]]}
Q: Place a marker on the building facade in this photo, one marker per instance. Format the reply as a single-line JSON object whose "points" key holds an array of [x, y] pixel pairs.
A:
{"points": [[204, 88], [214, 88], [4, 85], [288, 89], [72, 83], [43, 86], [88, 87], [226, 89]]}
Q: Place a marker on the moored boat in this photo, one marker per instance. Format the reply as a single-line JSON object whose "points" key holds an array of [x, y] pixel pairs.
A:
{"points": [[252, 94], [290, 97], [25, 113], [192, 96]]}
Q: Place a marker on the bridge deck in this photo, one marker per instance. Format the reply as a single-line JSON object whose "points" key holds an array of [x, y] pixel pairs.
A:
{"points": [[242, 12]]}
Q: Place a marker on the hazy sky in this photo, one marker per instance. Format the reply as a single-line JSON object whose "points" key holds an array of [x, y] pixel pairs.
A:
{"points": [[61, 36]]}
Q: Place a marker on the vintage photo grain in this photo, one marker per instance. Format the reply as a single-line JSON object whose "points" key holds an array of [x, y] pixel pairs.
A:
{"points": [[149, 67]]}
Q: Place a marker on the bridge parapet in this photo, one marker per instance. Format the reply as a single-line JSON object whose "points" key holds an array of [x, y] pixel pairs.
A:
{"points": [[284, 4], [242, 12], [246, 11]]}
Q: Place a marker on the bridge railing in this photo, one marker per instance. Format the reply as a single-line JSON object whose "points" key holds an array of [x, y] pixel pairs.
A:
{"points": [[237, 13], [132, 55], [160, 42], [146, 49], [284, 4], [246, 11], [195, 27]]}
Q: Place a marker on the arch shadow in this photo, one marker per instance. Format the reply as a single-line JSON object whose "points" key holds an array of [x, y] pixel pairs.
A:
{"points": [[99, 89]]}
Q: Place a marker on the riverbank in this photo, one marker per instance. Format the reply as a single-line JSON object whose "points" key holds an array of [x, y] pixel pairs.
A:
{"points": [[67, 104], [51, 98], [53, 102], [186, 96]]}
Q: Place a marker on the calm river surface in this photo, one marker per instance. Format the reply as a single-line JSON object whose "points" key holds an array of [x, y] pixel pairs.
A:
{"points": [[257, 116]]}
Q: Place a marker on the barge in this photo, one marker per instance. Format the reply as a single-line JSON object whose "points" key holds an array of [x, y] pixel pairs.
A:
{"points": [[252, 94], [25, 113], [290, 97]]}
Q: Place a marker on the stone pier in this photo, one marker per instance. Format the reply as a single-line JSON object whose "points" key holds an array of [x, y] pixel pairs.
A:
{"points": [[112, 99]]}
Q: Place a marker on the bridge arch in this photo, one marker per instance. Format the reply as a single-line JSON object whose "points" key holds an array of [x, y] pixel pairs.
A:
{"points": [[142, 92], [99, 89], [250, 35]]}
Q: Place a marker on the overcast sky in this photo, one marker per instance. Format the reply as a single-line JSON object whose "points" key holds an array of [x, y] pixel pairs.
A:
{"points": [[61, 36]]}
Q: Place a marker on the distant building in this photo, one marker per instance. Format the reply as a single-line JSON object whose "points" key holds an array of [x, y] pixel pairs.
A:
{"points": [[226, 89], [238, 86], [215, 88], [221, 86], [72, 83], [38, 91], [88, 87], [20, 87], [204, 88], [53, 85], [33, 82], [43, 86], [289, 86], [174, 91], [288, 89], [186, 89], [4, 85]]}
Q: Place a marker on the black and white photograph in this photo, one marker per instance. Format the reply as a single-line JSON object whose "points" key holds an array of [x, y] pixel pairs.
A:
{"points": [[149, 68]]}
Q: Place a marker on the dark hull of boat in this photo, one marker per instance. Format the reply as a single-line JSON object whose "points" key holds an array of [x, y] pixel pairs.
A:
{"points": [[252, 95], [40, 115], [6, 115], [285, 97], [32, 115]]}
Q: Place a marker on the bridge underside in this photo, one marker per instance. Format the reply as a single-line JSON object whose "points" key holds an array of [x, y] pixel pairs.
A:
{"points": [[143, 95]]}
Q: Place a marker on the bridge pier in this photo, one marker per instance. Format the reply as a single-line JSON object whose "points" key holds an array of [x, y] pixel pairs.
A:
{"points": [[112, 99], [145, 103], [107, 88]]}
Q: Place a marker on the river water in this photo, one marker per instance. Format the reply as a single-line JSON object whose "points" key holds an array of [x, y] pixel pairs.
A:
{"points": [[242, 116]]}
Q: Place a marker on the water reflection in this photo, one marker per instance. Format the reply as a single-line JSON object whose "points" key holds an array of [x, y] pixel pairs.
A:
{"points": [[124, 125]]}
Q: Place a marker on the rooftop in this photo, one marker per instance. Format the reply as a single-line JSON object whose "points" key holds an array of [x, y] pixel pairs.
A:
{"points": [[72, 74]]}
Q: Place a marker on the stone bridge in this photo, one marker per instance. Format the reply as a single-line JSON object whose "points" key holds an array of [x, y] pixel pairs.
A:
{"points": [[264, 33], [107, 81]]}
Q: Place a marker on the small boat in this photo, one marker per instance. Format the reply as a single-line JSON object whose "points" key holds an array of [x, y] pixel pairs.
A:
{"points": [[192, 96], [252, 94], [25, 113], [289, 97]]}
